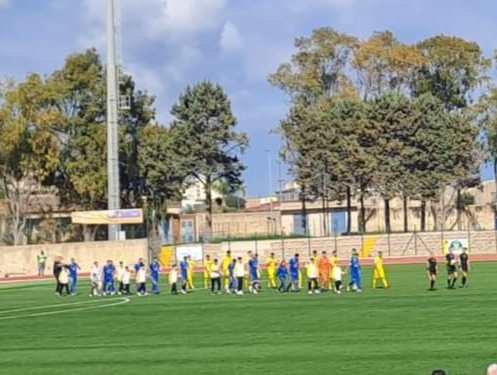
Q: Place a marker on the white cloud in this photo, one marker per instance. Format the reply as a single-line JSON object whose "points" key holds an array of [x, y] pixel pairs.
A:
{"points": [[184, 60], [231, 40], [181, 19], [5, 4]]}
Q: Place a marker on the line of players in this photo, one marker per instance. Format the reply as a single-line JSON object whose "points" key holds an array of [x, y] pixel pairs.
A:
{"points": [[451, 262], [323, 274]]}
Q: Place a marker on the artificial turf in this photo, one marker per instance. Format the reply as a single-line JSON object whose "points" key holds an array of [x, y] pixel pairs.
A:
{"points": [[403, 330]]}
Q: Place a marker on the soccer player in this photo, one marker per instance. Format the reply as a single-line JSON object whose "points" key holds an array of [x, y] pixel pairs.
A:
{"points": [[173, 279], [272, 263], [333, 260], [207, 271], [294, 272], [337, 274], [191, 272], [96, 280], [312, 276], [126, 281], [282, 274], [232, 278], [119, 277], [379, 271], [355, 272], [450, 260], [57, 268], [109, 274], [73, 276], [225, 263], [154, 275], [464, 266], [324, 267], [136, 268], [253, 265], [431, 270], [141, 279], [240, 275], [215, 272], [183, 266], [64, 280]]}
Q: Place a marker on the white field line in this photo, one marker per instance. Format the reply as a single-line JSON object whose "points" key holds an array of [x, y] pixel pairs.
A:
{"points": [[121, 301]]}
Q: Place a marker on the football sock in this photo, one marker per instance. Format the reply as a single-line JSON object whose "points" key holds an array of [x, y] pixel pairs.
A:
{"points": [[448, 283], [432, 284], [464, 281], [385, 283], [454, 282]]}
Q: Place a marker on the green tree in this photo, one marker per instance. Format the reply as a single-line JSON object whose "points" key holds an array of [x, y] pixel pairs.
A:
{"points": [[318, 68], [383, 64], [391, 116], [454, 69], [207, 138], [161, 169], [29, 151], [81, 178]]}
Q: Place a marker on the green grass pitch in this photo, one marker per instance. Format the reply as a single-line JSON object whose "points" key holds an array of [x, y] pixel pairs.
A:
{"points": [[404, 330]]}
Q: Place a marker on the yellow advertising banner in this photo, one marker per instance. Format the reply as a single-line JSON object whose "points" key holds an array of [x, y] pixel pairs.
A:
{"points": [[132, 216]]}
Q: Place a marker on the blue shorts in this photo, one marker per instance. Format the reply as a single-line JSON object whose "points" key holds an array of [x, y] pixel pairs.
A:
{"points": [[254, 276], [294, 276], [355, 277], [184, 276]]}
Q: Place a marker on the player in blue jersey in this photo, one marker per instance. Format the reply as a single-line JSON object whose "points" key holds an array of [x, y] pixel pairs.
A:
{"points": [[355, 272], [154, 275], [109, 273], [138, 265], [183, 267], [253, 264], [282, 275], [232, 278], [293, 266], [73, 268]]}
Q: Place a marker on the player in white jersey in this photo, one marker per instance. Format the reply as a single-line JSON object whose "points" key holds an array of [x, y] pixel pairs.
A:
{"points": [[96, 280], [336, 275]]}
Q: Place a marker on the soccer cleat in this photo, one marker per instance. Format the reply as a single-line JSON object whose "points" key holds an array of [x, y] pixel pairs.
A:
{"points": [[317, 292], [309, 292]]}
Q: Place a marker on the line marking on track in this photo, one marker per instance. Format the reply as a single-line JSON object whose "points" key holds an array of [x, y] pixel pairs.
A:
{"points": [[25, 312]]}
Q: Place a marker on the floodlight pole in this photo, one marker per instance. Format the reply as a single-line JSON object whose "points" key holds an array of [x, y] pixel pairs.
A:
{"points": [[113, 194]]}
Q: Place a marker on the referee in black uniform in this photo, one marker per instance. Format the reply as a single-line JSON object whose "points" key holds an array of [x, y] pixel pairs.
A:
{"points": [[464, 266], [57, 269], [450, 260], [431, 269]]}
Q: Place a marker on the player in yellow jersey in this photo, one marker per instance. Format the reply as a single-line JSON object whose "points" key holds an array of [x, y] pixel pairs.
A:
{"points": [[379, 271], [191, 271], [334, 261], [272, 264], [207, 271], [225, 263]]}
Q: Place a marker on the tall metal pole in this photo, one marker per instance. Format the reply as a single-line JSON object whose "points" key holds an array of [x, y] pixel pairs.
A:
{"points": [[270, 179], [280, 182], [112, 118]]}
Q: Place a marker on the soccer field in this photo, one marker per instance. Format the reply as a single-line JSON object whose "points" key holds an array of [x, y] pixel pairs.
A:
{"points": [[404, 330]]}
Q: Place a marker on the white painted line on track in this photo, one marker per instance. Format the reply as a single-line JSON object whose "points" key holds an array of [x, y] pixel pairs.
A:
{"points": [[25, 312]]}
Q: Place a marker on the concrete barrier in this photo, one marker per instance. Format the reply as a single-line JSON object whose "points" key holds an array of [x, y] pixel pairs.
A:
{"points": [[22, 260]]}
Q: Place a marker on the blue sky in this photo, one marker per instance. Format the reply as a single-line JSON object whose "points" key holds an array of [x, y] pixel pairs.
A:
{"points": [[168, 44]]}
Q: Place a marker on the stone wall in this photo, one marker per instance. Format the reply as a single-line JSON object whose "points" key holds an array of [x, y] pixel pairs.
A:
{"points": [[21, 260]]}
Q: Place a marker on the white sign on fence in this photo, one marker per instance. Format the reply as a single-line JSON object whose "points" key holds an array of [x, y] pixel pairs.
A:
{"points": [[194, 251]]}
